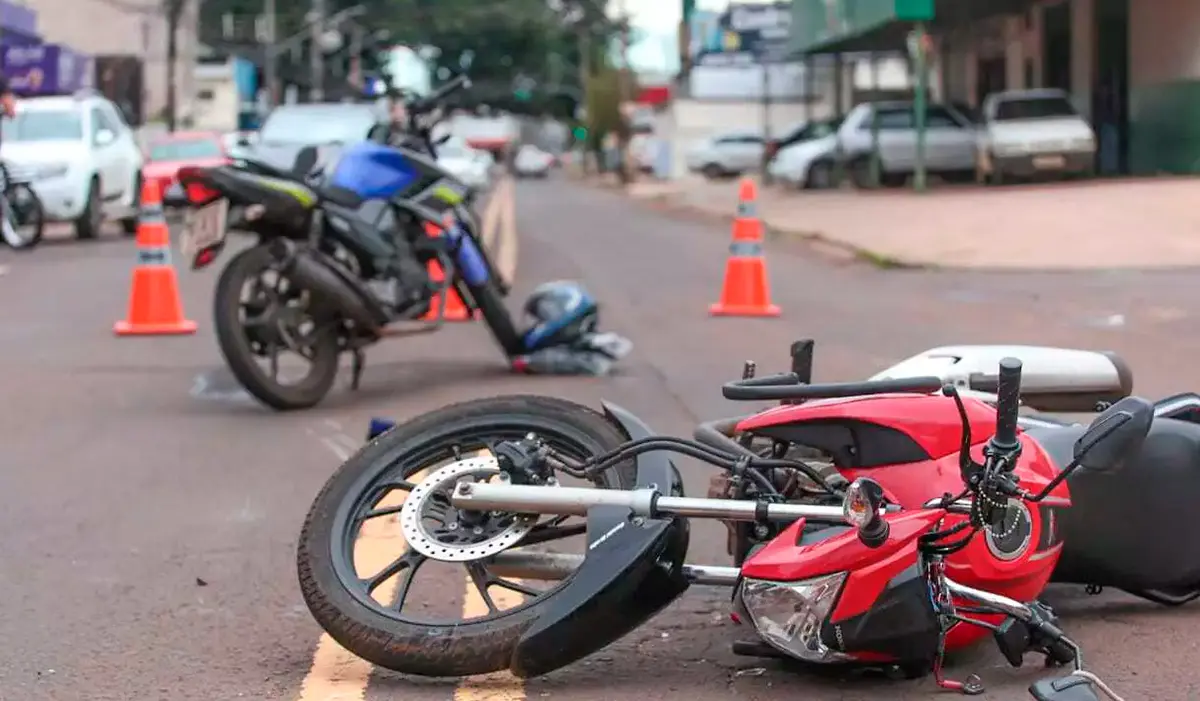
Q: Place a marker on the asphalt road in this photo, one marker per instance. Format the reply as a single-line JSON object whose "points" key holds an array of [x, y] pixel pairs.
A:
{"points": [[149, 511]]}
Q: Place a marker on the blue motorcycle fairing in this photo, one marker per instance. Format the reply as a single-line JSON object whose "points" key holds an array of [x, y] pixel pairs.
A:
{"points": [[373, 171]]}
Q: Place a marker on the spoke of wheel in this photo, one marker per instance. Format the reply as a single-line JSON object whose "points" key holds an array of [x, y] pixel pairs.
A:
{"points": [[376, 513], [273, 349], [406, 563], [405, 583], [514, 586], [482, 580]]}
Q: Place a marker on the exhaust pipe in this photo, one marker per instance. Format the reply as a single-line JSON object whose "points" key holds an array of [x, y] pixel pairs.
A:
{"points": [[647, 503], [309, 269]]}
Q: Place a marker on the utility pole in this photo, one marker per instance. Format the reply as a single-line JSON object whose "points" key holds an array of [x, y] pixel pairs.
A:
{"points": [[356, 48], [766, 117], [316, 56], [624, 90], [270, 66]]}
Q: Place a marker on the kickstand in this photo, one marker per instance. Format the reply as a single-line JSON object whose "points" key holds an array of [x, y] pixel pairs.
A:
{"points": [[358, 360]]}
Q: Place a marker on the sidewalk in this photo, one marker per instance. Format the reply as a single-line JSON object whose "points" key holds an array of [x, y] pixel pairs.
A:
{"points": [[1072, 226]]}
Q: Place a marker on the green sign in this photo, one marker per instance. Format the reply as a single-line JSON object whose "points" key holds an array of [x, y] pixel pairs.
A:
{"points": [[816, 23]]}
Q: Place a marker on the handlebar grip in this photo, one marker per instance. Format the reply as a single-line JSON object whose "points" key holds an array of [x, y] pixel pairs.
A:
{"points": [[1008, 403]]}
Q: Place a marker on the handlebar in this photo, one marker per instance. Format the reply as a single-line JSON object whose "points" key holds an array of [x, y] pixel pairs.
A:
{"points": [[443, 91], [1008, 403], [787, 386]]}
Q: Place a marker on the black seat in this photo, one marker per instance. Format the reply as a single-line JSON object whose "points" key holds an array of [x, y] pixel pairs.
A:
{"points": [[1135, 527]]}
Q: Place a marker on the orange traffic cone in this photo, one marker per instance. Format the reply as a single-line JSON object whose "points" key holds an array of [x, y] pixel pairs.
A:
{"points": [[154, 305], [745, 291], [456, 309]]}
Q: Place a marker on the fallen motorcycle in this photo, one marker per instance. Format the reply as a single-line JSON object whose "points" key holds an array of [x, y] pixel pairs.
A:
{"points": [[849, 572]]}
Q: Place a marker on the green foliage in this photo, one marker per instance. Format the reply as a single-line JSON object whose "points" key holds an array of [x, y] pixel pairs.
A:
{"points": [[603, 102]]}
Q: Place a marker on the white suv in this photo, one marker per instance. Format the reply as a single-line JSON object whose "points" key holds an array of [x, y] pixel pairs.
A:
{"points": [[82, 158]]}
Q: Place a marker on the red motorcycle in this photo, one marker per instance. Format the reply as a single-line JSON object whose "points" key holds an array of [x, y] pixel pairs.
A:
{"points": [[950, 523]]}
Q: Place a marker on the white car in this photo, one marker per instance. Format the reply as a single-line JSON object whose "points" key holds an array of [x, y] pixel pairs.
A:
{"points": [[532, 161], [1027, 133], [82, 158], [463, 163], [726, 154], [807, 164]]}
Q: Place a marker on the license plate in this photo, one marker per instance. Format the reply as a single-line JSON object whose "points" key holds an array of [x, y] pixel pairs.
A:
{"points": [[1049, 162], [204, 228]]}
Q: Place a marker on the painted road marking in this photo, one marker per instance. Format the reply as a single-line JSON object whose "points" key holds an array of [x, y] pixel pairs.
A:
{"points": [[501, 686], [507, 262], [336, 674]]}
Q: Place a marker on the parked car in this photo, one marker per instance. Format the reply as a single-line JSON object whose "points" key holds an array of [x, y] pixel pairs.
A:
{"points": [[464, 163], [167, 154], [950, 142], [81, 157], [726, 155], [800, 132], [289, 128], [808, 160], [532, 162], [1028, 133]]}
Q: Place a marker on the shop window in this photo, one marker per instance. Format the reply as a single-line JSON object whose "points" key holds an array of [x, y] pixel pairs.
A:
{"points": [[206, 95]]}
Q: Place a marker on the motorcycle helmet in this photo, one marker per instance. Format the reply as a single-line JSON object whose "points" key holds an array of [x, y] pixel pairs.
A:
{"points": [[561, 313]]}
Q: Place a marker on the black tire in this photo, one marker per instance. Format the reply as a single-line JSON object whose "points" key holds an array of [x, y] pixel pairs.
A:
{"points": [[490, 302], [995, 176], [712, 171], [87, 226], [235, 346], [33, 210], [860, 173], [820, 176], [462, 648], [129, 224]]}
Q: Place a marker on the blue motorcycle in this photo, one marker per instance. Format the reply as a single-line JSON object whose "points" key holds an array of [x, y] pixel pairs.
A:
{"points": [[345, 241]]}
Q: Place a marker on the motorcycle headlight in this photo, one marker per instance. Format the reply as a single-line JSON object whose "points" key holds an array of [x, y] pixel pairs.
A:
{"points": [[790, 615]]}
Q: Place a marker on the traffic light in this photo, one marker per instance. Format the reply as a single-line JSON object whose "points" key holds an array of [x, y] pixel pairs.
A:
{"points": [[580, 133], [522, 94]]}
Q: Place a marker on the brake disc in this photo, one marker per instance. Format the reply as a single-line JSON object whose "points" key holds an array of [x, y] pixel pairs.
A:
{"points": [[498, 532]]}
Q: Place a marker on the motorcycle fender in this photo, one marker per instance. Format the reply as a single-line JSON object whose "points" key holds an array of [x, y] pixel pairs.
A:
{"points": [[632, 570]]}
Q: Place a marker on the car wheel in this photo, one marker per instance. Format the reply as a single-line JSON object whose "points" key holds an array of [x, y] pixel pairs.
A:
{"points": [[860, 173], [995, 176], [129, 224], [87, 226], [712, 171], [820, 176]]}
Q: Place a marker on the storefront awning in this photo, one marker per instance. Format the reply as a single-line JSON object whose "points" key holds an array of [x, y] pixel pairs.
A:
{"points": [[845, 26]]}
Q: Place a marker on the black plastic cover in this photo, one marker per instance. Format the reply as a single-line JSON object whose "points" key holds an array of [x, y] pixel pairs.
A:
{"points": [[632, 570]]}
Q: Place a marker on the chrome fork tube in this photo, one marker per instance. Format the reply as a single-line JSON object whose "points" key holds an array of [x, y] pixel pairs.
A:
{"points": [[1001, 604]]}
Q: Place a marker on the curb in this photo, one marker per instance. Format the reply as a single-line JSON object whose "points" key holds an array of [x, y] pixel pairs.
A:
{"points": [[820, 242]]}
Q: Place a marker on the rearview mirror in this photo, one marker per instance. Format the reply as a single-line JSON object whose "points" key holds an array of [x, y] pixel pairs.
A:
{"points": [[104, 137], [1115, 435]]}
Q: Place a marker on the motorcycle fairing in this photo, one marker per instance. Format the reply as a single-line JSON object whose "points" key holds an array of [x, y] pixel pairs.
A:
{"points": [[900, 625], [876, 430], [632, 570]]}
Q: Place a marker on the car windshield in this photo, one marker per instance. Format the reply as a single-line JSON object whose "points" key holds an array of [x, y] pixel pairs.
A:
{"points": [[1034, 108], [185, 150], [316, 126], [43, 125]]}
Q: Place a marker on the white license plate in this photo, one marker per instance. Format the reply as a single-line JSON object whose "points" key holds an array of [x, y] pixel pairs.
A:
{"points": [[204, 228], [1049, 162]]}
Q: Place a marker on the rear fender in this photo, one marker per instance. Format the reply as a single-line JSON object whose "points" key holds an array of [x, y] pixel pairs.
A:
{"points": [[632, 570]]}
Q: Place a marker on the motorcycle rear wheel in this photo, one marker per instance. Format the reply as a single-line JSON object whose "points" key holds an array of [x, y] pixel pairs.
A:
{"points": [[236, 348], [386, 638]]}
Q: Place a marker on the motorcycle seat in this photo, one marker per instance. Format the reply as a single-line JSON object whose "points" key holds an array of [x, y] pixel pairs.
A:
{"points": [[1132, 527]]}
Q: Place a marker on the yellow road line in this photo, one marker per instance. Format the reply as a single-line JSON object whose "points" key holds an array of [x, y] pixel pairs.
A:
{"points": [[507, 261], [337, 674], [501, 686]]}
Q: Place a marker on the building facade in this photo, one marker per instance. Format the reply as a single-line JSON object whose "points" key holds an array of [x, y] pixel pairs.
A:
{"points": [[1133, 68], [133, 28]]}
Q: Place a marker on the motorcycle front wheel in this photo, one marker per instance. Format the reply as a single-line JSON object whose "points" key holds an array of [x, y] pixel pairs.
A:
{"points": [[364, 612], [261, 316]]}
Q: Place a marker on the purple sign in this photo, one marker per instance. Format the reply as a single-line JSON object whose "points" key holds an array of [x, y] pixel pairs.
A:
{"points": [[16, 18], [46, 69]]}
